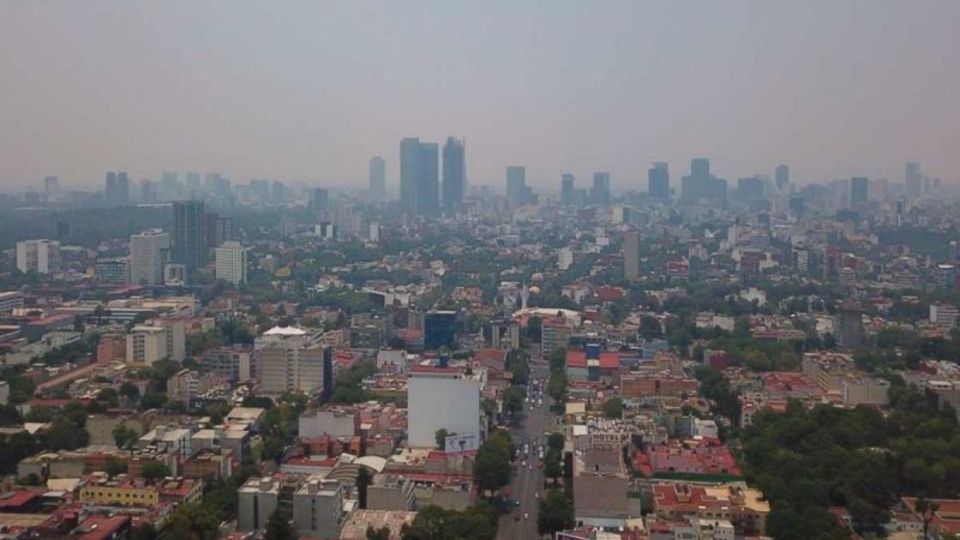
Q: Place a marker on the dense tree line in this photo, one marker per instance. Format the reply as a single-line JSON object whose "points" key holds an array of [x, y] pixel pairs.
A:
{"points": [[806, 461]]}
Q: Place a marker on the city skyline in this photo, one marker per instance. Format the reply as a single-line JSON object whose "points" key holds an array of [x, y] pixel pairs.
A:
{"points": [[333, 86]]}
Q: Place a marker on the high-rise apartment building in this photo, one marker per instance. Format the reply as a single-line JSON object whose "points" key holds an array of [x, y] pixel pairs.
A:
{"points": [[146, 345], [189, 234], [631, 255], [516, 186], [658, 181], [41, 256], [419, 177], [454, 174], [149, 252], [231, 262], [378, 179], [288, 359]]}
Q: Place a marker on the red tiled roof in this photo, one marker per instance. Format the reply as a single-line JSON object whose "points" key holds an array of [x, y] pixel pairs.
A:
{"points": [[16, 499], [100, 527], [433, 369], [607, 293], [607, 360]]}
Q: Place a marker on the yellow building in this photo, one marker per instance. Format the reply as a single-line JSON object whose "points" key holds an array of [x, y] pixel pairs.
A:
{"points": [[119, 493], [126, 491]]}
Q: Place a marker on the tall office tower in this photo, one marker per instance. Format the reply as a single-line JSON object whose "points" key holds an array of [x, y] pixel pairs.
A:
{"points": [[600, 194], [781, 176], [319, 200], [913, 179], [850, 325], [289, 359], [41, 256], [409, 173], [454, 174], [428, 189], [193, 184], [149, 251], [859, 186], [123, 188], [752, 188], [219, 229], [697, 185], [378, 179], [278, 192], [231, 262], [189, 234], [110, 189], [51, 186], [631, 255], [149, 191], [567, 193], [419, 176], [169, 186], [516, 186], [658, 181]]}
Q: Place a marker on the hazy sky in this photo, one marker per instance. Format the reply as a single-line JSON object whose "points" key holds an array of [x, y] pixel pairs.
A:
{"points": [[308, 91]]}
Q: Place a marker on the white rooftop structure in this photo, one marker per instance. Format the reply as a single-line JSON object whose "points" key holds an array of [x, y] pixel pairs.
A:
{"points": [[285, 331]]}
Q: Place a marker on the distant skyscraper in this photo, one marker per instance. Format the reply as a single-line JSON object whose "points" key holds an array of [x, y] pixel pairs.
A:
{"points": [[631, 255], [700, 184], [193, 184], [859, 186], [319, 200], [378, 179], [117, 190], [428, 189], [123, 188], [600, 194], [419, 176], [913, 179], [169, 186], [149, 251], [567, 194], [658, 181], [516, 186], [751, 188], [110, 189], [189, 234], [51, 186], [454, 174], [781, 177]]}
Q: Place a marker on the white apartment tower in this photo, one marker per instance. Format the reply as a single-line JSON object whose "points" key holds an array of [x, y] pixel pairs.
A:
{"points": [[41, 256], [149, 251], [232, 262], [289, 359]]}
